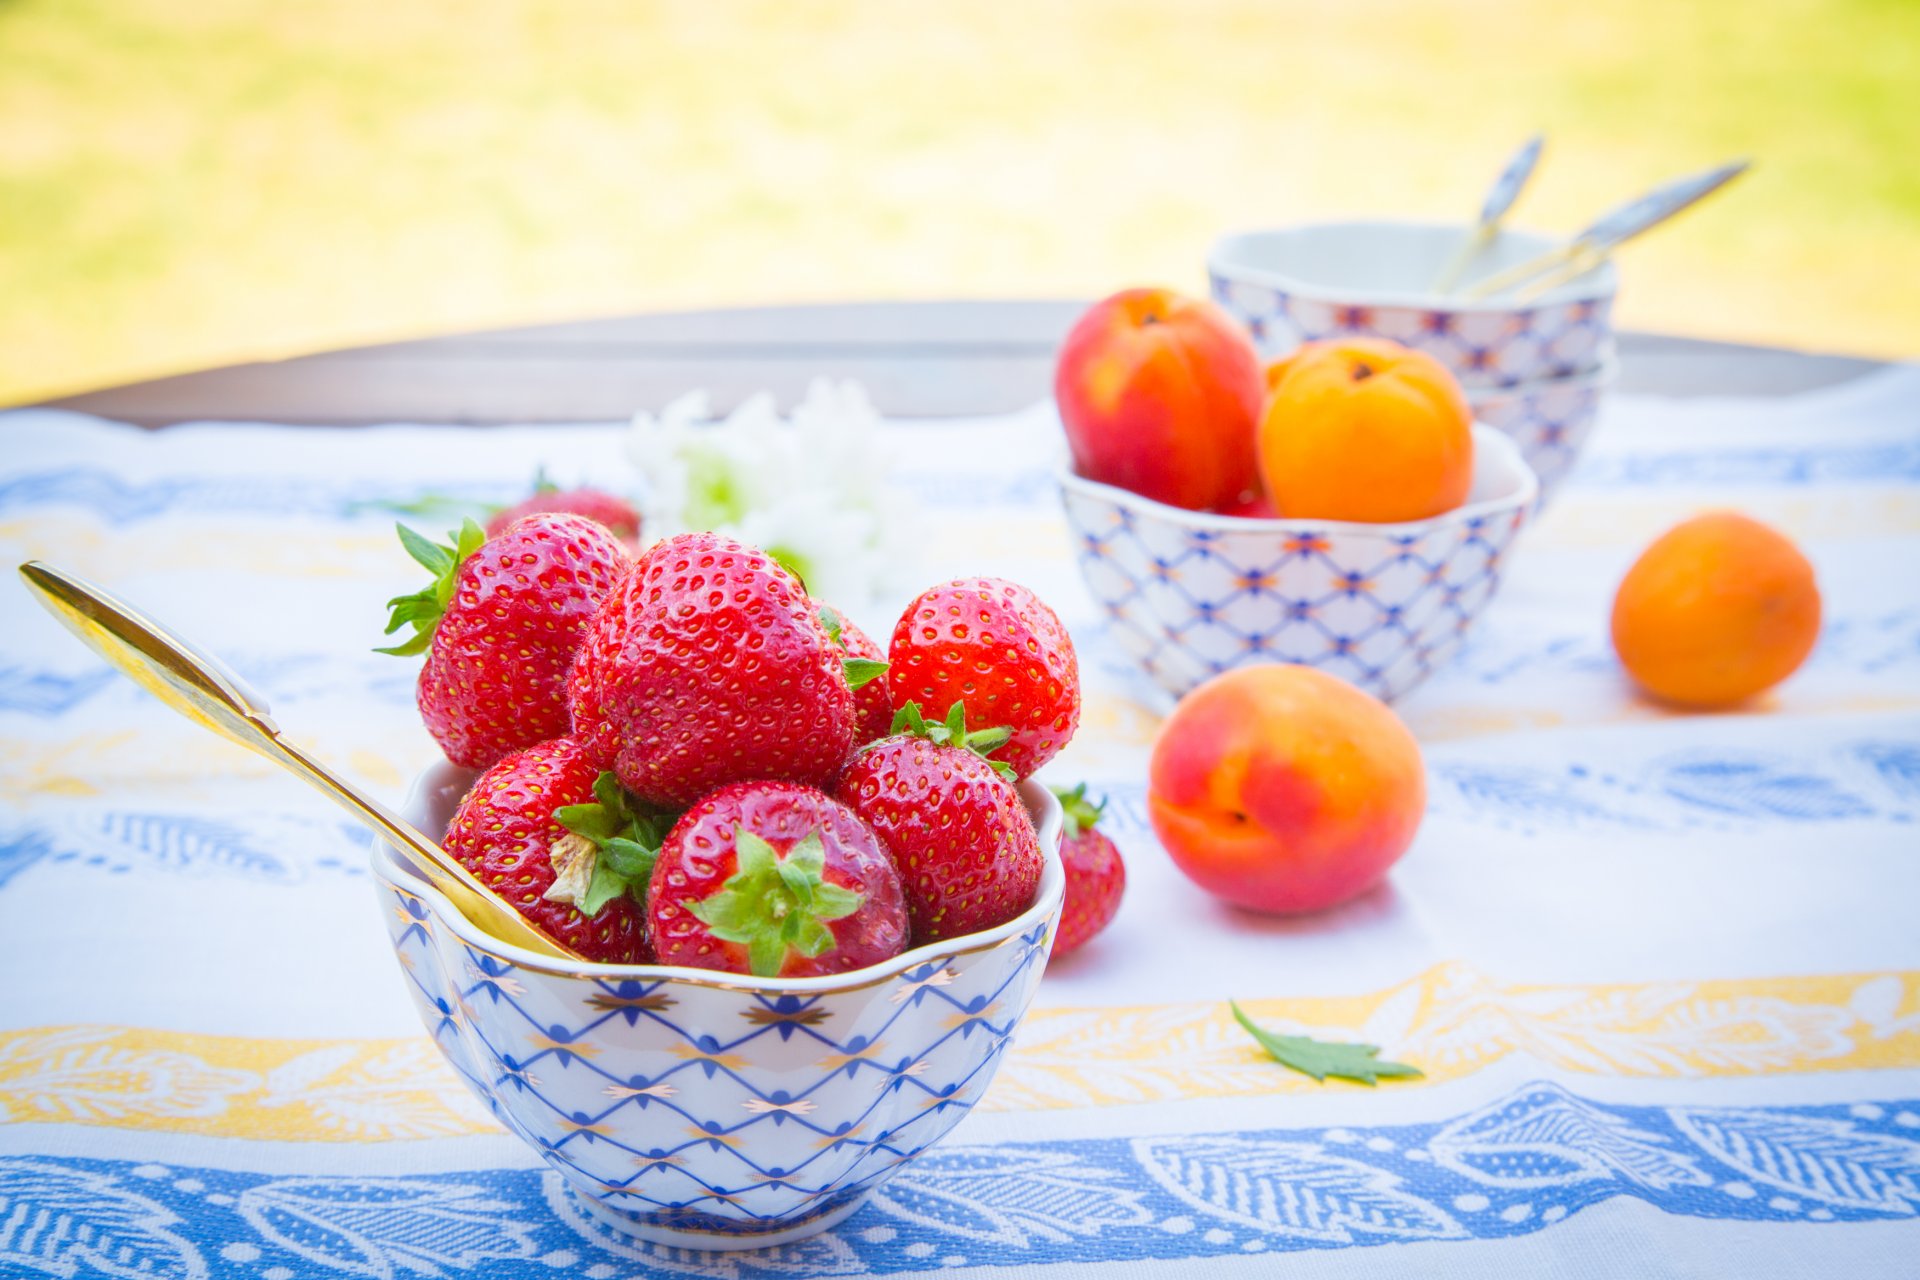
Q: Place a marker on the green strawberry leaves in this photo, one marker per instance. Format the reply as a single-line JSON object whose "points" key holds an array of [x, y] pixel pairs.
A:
{"points": [[622, 839], [773, 904], [424, 607], [1322, 1058], [859, 670], [953, 733], [1081, 813]]}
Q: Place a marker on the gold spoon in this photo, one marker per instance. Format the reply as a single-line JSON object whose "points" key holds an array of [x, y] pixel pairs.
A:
{"points": [[1493, 210], [1606, 233], [201, 688]]}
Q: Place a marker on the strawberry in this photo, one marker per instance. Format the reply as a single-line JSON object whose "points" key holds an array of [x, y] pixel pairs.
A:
{"points": [[952, 819], [499, 624], [707, 666], [777, 880], [556, 837], [617, 514], [997, 647], [872, 699], [1096, 875]]}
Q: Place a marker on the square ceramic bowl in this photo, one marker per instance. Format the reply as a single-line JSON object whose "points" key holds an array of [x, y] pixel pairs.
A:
{"points": [[711, 1110], [1190, 594], [1549, 419], [1341, 279]]}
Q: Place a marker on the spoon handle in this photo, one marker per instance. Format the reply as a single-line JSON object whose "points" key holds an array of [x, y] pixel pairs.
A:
{"points": [[1500, 197], [200, 687], [1612, 229]]}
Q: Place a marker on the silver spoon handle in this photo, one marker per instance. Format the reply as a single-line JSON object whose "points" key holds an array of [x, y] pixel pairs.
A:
{"points": [[1612, 229]]}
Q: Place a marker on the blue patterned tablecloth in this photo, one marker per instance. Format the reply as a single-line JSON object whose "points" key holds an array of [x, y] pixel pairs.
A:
{"points": [[1662, 971]]}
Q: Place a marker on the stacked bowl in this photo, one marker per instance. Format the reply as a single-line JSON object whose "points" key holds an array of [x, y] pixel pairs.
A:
{"points": [[1533, 370], [1192, 594]]}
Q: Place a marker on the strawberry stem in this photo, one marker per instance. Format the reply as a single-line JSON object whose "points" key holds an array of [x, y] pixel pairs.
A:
{"points": [[773, 904], [623, 839], [424, 607], [953, 733], [1081, 813]]}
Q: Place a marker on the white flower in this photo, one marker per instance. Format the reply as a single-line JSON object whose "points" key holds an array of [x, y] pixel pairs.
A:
{"points": [[811, 489]]}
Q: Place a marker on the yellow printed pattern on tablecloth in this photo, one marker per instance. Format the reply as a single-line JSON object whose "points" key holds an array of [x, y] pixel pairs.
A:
{"points": [[1450, 1021]]}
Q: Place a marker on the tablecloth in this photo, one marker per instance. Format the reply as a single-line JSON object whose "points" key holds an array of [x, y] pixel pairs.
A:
{"points": [[1662, 971]]}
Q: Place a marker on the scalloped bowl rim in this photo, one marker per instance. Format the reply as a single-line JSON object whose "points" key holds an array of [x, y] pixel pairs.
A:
{"points": [[1043, 808], [1590, 286], [1520, 483]]}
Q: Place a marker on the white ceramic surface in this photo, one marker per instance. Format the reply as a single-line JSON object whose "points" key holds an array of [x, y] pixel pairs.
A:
{"points": [[709, 1110], [1341, 279], [1191, 594]]}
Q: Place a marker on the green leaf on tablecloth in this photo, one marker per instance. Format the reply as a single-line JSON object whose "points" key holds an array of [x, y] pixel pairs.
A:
{"points": [[1322, 1058]]}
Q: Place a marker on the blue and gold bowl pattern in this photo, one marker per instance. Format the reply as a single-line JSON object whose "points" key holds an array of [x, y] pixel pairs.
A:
{"points": [[1369, 279], [1191, 594], [710, 1110], [1550, 420]]}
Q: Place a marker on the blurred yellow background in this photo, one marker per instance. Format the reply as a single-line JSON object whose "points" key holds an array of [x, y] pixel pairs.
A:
{"points": [[188, 184]]}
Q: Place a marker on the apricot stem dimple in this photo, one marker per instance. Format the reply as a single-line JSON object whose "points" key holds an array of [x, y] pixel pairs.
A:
{"points": [[1362, 371]]}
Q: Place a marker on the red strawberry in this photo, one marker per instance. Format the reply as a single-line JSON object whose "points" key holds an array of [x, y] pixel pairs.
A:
{"points": [[500, 623], [776, 880], [966, 850], [707, 666], [558, 839], [617, 514], [867, 673], [995, 646], [1096, 876]]}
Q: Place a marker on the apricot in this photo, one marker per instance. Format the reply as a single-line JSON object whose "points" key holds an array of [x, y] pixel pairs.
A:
{"points": [[1364, 429], [1717, 609], [1159, 395], [1285, 789]]}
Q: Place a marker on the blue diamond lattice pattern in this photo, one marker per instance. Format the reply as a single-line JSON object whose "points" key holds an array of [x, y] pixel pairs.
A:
{"points": [[1381, 610], [1495, 347], [704, 1109], [1550, 422]]}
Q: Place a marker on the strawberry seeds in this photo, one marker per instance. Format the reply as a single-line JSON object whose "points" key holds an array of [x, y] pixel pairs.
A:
{"points": [[692, 762]]}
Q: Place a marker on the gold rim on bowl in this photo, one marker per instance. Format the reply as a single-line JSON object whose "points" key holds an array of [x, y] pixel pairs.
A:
{"points": [[440, 779]]}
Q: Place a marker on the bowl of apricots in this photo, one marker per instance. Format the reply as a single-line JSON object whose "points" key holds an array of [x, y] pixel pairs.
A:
{"points": [[1338, 507]]}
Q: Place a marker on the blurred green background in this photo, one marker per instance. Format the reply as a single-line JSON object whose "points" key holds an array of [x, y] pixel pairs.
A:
{"points": [[185, 184]]}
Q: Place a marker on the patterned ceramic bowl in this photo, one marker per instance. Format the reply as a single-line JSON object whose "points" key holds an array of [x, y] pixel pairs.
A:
{"points": [[1190, 594], [707, 1110], [1339, 279], [1550, 420]]}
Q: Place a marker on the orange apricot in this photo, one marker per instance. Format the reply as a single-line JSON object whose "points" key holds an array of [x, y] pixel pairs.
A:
{"points": [[1716, 610], [1364, 429]]}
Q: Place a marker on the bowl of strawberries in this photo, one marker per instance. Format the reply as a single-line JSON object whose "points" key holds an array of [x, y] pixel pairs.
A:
{"points": [[810, 883]]}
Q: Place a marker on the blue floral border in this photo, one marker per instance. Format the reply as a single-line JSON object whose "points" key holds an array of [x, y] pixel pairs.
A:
{"points": [[1512, 1168]]}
